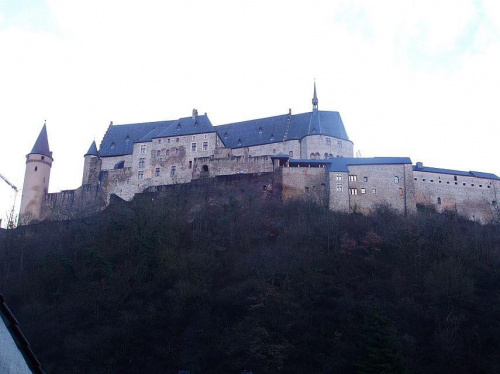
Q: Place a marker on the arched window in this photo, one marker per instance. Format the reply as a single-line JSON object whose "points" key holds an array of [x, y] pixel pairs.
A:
{"points": [[204, 168], [439, 201], [396, 180], [311, 156]]}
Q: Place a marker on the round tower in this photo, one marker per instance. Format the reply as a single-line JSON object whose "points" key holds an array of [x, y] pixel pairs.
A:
{"points": [[36, 179], [91, 166]]}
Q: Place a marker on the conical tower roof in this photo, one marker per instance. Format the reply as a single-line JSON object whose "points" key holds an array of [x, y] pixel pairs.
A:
{"points": [[92, 150], [41, 146]]}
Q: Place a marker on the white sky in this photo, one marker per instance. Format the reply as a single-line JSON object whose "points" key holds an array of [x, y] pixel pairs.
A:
{"points": [[410, 78]]}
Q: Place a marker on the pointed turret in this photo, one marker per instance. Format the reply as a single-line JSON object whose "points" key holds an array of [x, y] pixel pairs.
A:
{"points": [[92, 150], [36, 179], [91, 166], [41, 146], [315, 98]]}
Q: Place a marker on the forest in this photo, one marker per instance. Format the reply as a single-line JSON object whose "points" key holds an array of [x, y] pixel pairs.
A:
{"points": [[158, 285]]}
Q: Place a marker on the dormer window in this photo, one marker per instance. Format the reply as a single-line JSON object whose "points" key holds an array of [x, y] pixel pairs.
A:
{"points": [[260, 130], [127, 139], [196, 123], [225, 135], [112, 145], [239, 141], [178, 127], [271, 138]]}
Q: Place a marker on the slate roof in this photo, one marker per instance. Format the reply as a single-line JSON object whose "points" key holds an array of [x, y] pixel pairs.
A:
{"points": [[343, 163], [41, 146], [476, 174], [92, 150], [272, 129], [22, 344], [187, 126], [119, 139]]}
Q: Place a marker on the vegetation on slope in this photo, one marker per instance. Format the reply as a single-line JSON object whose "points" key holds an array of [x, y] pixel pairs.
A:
{"points": [[268, 287]]}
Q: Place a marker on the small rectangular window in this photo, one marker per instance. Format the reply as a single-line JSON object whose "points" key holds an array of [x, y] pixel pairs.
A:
{"points": [[339, 143], [158, 153], [193, 137], [353, 191], [205, 146], [328, 141], [172, 171], [353, 178], [365, 179], [143, 149], [190, 164], [339, 187], [396, 180], [141, 162], [168, 140], [167, 152], [157, 172], [193, 147], [177, 140], [338, 177], [363, 190], [290, 154], [140, 175], [374, 190]]}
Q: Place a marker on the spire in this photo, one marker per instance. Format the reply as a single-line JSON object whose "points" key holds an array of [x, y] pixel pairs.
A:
{"points": [[92, 150], [41, 146], [315, 98]]}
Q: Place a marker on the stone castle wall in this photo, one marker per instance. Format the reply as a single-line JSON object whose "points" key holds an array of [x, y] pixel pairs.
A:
{"points": [[470, 197], [374, 185]]}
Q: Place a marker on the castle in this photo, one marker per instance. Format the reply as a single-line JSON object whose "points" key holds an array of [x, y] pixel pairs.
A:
{"points": [[306, 155]]}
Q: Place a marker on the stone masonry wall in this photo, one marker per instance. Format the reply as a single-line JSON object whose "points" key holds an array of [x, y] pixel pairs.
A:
{"points": [[84, 201], [338, 192], [319, 146], [472, 198], [302, 183], [381, 184]]}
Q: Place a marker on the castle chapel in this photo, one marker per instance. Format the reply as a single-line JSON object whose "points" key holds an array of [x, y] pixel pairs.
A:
{"points": [[306, 156]]}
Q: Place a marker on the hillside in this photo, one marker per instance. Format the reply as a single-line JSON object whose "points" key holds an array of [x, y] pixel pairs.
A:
{"points": [[258, 285]]}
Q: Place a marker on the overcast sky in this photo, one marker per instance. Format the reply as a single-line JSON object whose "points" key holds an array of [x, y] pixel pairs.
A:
{"points": [[409, 78]]}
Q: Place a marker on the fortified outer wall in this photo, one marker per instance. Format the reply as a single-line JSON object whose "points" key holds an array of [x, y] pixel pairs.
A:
{"points": [[470, 197], [210, 167], [84, 201], [302, 183], [215, 191], [382, 184]]}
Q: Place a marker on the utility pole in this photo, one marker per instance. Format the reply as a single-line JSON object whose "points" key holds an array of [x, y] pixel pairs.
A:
{"points": [[10, 223]]}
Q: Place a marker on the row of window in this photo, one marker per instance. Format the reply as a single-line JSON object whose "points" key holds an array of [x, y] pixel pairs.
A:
{"points": [[140, 174], [354, 191], [328, 142], [354, 178], [456, 183], [193, 137]]}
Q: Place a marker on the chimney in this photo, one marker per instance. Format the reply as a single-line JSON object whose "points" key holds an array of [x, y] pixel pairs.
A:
{"points": [[195, 113]]}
